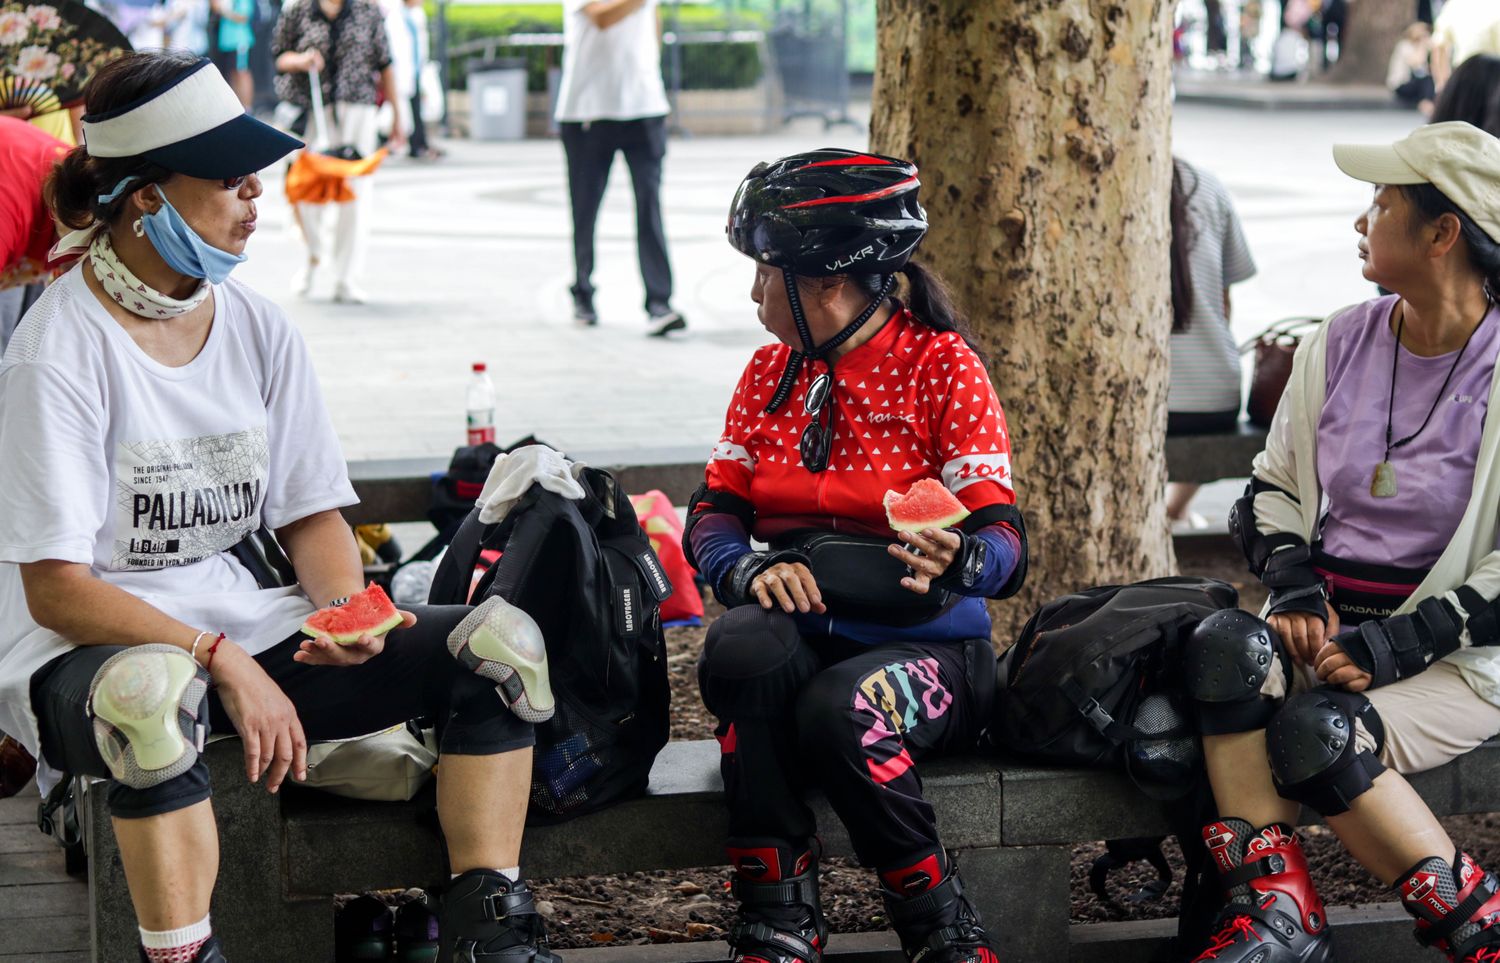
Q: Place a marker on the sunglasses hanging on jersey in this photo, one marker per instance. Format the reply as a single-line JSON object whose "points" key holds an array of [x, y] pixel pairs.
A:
{"points": [[817, 438]]}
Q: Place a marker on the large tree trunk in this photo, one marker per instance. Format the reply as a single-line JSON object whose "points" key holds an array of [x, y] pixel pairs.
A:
{"points": [[1370, 35], [1041, 128]]}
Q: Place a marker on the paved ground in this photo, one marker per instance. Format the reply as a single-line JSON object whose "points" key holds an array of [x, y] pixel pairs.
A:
{"points": [[471, 259]]}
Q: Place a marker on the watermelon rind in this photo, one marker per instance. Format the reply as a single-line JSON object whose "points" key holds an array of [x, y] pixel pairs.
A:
{"points": [[340, 623], [901, 519]]}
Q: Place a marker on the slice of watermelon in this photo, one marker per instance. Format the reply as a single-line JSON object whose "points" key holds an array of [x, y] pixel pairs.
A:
{"points": [[371, 611], [927, 504]]}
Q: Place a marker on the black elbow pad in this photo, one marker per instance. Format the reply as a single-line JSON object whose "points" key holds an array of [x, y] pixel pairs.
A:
{"points": [[704, 502]]}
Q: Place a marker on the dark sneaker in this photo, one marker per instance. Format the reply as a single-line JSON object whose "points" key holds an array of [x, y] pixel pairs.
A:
{"points": [[663, 319], [938, 924], [1457, 908], [416, 932], [1273, 915], [583, 306], [486, 918], [779, 919], [362, 931]]}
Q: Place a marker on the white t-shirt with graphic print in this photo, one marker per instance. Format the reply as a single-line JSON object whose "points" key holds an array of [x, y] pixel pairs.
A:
{"points": [[149, 474]]}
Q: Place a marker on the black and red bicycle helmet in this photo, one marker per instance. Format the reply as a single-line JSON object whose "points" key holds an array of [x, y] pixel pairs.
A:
{"points": [[829, 211]]}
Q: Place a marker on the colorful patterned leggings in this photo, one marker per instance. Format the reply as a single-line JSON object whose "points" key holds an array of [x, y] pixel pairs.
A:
{"points": [[853, 725]]}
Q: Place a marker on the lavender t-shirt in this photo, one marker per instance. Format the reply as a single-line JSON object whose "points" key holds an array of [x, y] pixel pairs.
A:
{"points": [[1434, 472]]}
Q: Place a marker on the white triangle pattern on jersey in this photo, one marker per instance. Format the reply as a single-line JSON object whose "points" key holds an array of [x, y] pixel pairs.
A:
{"points": [[920, 381]]}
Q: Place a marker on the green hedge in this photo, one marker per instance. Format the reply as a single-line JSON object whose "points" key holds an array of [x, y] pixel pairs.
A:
{"points": [[704, 66]]}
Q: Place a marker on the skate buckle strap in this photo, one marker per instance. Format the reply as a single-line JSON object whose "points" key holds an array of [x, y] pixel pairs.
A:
{"points": [[946, 893], [501, 906], [1445, 927], [955, 934], [1278, 922], [769, 936], [796, 889], [1240, 875]]}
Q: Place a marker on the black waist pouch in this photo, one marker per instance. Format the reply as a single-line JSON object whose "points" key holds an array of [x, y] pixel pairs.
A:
{"points": [[860, 579]]}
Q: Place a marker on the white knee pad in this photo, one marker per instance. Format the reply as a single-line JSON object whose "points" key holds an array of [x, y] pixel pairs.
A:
{"points": [[148, 706], [503, 644]]}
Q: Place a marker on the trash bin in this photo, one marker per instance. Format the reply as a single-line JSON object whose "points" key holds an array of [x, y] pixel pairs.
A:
{"points": [[497, 100]]}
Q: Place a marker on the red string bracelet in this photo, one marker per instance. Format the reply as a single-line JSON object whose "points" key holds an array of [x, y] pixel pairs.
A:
{"points": [[208, 663]]}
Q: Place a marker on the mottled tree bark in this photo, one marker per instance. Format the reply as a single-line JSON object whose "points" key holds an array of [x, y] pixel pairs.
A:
{"points": [[1041, 128], [1370, 35]]}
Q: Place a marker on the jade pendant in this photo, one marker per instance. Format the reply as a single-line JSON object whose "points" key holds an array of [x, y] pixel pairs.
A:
{"points": [[1383, 485]]}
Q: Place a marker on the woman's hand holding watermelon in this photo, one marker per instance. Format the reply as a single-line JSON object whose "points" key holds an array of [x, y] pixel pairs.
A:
{"points": [[322, 650], [351, 630], [263, 716], [936, 549], [791, 585]]}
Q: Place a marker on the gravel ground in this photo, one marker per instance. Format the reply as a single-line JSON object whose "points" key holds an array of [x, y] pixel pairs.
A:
{"points": [[670, 907]]}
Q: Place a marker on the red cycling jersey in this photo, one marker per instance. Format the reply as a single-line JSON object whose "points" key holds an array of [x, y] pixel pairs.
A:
{"points": [[910, 403]]}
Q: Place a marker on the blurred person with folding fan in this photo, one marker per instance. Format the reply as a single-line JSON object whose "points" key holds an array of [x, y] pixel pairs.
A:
{"points": [[47, 54], [343, 44]]}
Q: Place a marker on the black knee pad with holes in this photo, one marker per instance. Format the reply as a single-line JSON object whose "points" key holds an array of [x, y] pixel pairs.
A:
{"points": [[1228, 658], [1314, 760]]}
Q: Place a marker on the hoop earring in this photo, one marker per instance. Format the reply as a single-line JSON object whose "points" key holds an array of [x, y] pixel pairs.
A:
{"points": [[138, 227]]}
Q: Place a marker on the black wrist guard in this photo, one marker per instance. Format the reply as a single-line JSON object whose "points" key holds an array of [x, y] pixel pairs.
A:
{"points": [[736, 587], [1295, 586], [967, 565], [1401, 646]]}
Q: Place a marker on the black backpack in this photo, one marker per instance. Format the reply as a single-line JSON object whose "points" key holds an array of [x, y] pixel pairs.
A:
{"points": [[585, 571], [1086, 684], [1071, 690]]}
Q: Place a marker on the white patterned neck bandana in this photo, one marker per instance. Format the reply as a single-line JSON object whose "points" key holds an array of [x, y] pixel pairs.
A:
{"points": [[130, 292]]}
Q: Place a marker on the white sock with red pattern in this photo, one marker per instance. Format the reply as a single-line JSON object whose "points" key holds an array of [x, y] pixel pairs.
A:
{"points": [[176, 946]]}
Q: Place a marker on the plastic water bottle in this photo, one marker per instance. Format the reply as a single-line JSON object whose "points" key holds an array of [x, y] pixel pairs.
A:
{"points": [[481, 406]]}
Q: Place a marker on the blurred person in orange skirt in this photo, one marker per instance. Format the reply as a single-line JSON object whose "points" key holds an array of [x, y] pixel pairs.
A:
{"points": [[345, 42]]}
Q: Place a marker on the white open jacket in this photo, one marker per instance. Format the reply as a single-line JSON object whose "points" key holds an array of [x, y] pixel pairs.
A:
{"points": [[1290, 462]]}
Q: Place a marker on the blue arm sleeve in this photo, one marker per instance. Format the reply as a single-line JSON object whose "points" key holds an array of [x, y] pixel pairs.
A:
{"points": [[1002, 551], [719, 540]]}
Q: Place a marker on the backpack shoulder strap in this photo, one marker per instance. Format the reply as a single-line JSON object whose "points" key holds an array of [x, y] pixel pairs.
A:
{"points": [[450, 583]]}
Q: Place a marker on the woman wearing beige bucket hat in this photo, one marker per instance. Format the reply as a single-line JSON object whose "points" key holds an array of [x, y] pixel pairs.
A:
{"points": [[1372, 519]]}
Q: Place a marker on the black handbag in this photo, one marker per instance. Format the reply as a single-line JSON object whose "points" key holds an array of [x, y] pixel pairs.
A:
{"points": [[859, 578]]}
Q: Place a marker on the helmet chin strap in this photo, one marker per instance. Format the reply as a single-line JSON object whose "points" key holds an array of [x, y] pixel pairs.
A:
{"points": [[809, 350]]}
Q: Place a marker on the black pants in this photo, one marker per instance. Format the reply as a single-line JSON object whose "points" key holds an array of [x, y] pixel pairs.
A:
{"points": [[591, 149], [414, 677], [417, 142], [855, 727]]}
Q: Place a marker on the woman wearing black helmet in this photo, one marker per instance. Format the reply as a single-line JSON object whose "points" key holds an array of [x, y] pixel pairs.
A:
{"points": [[847, 656]]}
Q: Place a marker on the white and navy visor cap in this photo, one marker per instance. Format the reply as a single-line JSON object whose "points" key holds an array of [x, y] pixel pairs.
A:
{"points": [[194, 125]]}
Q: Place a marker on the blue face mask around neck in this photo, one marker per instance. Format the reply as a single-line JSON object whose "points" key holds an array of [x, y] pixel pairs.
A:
{"points": [[181, 247]]}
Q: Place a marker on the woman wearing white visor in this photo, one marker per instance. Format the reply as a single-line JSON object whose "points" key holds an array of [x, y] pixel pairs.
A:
{"points": [[1372, 519], [155, 413]]}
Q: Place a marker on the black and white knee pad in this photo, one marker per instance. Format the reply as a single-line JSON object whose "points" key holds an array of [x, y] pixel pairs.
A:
{"points": [[150, 712], [1312, 750], [753, 665], [1228, 659]]}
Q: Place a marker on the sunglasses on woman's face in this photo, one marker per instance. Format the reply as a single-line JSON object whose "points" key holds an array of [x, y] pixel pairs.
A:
{"points": [[817, 437], [234, 183]]}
